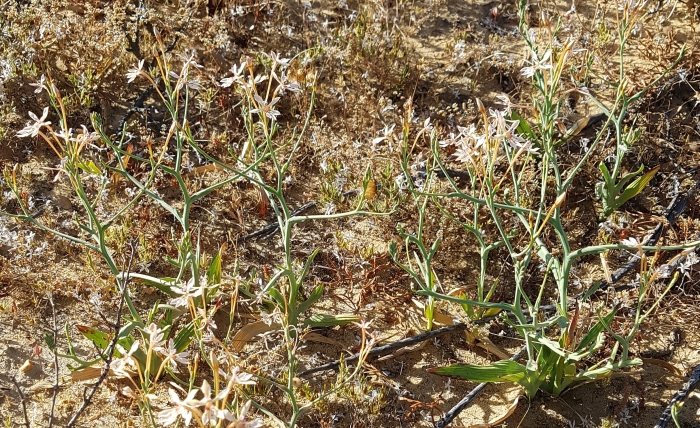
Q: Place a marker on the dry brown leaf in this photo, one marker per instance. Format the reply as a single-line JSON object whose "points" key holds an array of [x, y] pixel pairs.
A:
{"points": [[443, 319], [87, 373], [668, 366], [249, 331], [485, 343]]}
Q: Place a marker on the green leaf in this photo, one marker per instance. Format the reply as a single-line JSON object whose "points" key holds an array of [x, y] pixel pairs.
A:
{"points": [[500, 371], [623, 181], [184, 337], [597, 329], [552, 345], [315, 295], [162, 284], [491, 312], [99, 338], [50, 342], [89, 167], [324, 320], [523, 127], [214, 270], [277, 297], [675, 411], [307, 266], [637, 186]]}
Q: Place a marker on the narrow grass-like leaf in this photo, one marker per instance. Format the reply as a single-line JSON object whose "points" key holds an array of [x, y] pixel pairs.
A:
{"points": [[324, 320], [313, 298], [500, 371]]}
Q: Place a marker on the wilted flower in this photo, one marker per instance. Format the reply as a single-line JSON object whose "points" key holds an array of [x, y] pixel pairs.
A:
{"points": [[32, 129]]}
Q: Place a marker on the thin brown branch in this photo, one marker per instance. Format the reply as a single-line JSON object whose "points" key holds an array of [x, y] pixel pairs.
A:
{"points": [[122, 285], [21, 400]]}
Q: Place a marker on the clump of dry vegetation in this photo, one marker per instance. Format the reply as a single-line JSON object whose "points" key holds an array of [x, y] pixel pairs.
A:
{"points": [[338, 214]]}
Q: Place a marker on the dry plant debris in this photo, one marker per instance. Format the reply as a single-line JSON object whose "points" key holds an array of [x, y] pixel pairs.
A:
{"points": [[339, 213]]}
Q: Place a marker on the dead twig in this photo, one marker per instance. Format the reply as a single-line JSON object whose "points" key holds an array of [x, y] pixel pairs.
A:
{"points": [[54, 332], [113, 344], [679, 397], [21, 400], [387, 349]]}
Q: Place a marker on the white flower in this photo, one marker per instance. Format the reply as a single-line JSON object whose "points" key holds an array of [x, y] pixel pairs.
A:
{"points": [[238, 378], [363, 325], [427, 125], [284, 62], [32, 129], [181, 408], [690, 260], [120, 367], [468, 148], [537, 64], [184, 80], [87, 137], [241, 422], [186, 291], [386, 133], [505, 102], [519, 143], [236, 78], [469, 132], [39, 85], [664, 271], [155, 336], [209, 325], [133, 73], [265, 108], [211, 413], [171, 356], [631, 242], [65, 136], [286, 84]]}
